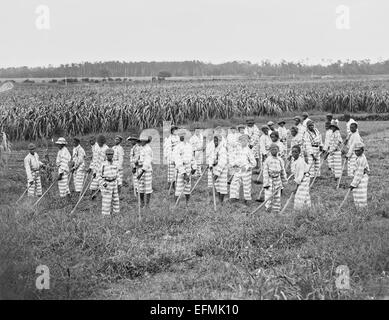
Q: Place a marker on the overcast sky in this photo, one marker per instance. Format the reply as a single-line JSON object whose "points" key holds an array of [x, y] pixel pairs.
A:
{"points": [[207, 30]]}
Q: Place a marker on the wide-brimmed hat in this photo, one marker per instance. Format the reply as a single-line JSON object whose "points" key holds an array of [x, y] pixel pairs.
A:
{"points": [[119, 137], [274, 146], [270, 123], [264, 127], [131, 138], [109, 151], [77, 139], [61, 141], [359, 146], [296, 118], [144, 138], [31, 146], [240, 126], [281, 121], [305, 114], [250, 119], [244, 137], [310, 122]]}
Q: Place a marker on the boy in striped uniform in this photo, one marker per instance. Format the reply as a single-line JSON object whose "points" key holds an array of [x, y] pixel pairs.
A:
{"points": [[197, 142], [253, 132], [281, 147], [300, 170], [78, 167], [168, 147], [118, 156], [98, 158], [349, 121], [145, 171], [218, 168], [109, 175], [62, 162], [313, 147], [295, 140], [326, 146], [243, 164], [264, 143], [270, 125], [283, 134], [361, 178], [32, 166], [134, 157], [305, 120], [232, 149], [274, 176], [354, 138], [185, 166], [300, 127], [334, 150]]}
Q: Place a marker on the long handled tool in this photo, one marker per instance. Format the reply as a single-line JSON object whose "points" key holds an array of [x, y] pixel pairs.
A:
{"points": [[181, 193], [260, 193], [287, 202], [213, 193], [344, 200], [81, 196], [84, 184], [314, 178], [259, 174], [20, 198], [341, 174], [266, 201], [139, 209], [44, 194], [198, 180]]}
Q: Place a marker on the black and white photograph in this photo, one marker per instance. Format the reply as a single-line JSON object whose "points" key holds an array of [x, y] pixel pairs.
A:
{"points": [[210, 153]]}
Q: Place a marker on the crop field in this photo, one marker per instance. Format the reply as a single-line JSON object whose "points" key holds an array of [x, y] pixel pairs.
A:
{"points": [[36, 111], [191, 253]]}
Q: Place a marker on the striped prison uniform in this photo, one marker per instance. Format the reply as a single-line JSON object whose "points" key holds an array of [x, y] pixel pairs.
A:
{"points": [[184, 163], [63, 158], [264, 145], [273, 176], [233, 147], [98, 158], [134, 157], [109, 175], [281, 151], [79, 167], [312, 143], [145, 183], [254, 134], [302, 198], [244, 163], [326, 147], [360, 181], [118, 156], [32, 165], [197, 142], [351, 156], [218, 166], [168, 147], [283, 134], [334, 149], [304, 125]]}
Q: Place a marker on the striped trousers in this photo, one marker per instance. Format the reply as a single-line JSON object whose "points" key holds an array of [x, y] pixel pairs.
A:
{"points": [[95, 183], [110, 198], [360, 193], [351, 165], [315, 169], [182, 185], [275, 203], [199, 162], [221, 182], [171, 172], [302, 198], [329, 161], [245, 179], [336, 163], [145, 184], [35, 190], [78, 178], [63, 185], [120, 177]]}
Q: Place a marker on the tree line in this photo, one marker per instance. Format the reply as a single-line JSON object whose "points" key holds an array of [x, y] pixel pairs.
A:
{"points": [[196, 69]]}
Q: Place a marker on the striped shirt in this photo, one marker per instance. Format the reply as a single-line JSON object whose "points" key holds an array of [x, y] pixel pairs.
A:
{"points": [[63, 158]]}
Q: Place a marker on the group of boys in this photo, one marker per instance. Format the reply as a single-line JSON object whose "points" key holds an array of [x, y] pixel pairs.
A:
{"points": [[229, 157]]}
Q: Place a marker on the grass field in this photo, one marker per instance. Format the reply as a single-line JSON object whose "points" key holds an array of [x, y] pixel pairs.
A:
{"points": [[196, 253]]}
